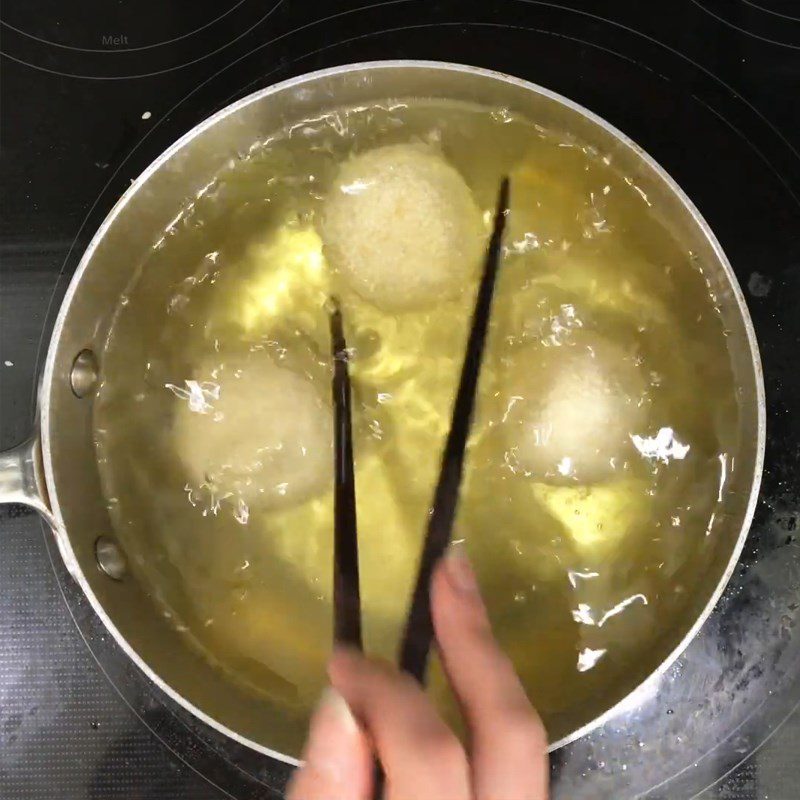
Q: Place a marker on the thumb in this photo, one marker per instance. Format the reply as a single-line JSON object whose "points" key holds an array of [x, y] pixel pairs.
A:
{"points": [[338, 763]]}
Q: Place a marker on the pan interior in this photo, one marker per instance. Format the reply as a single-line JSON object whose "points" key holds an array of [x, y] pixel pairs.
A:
{"points": [[614, 319]]}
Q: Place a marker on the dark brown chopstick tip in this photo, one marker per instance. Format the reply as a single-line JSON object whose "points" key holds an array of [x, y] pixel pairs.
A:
{"points": [[502, 200]]}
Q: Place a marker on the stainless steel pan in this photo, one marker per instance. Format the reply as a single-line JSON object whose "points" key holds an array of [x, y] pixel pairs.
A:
{"points": [[55, 472]]}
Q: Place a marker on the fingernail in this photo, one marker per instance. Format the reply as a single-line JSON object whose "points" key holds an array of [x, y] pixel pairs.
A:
{"points": [[330, 743], [459, 571]]}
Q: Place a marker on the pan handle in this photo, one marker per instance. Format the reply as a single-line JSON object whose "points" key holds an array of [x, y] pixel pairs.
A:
{"points": [[21, 478]]}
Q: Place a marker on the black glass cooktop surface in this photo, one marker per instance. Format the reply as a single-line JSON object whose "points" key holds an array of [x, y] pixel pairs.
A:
{"points": [[91, 92]]}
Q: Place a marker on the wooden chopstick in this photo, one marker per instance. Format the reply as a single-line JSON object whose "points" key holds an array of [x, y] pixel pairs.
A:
{"points": [[418, 632], [346, 592]]}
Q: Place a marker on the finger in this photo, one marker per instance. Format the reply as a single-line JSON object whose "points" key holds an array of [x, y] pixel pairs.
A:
{"points": [[508, 740], [338, 764], [420, 755]]}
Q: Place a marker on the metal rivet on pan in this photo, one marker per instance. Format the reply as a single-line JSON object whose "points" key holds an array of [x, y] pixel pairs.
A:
{"points": [[110, 558], [83, 376]]}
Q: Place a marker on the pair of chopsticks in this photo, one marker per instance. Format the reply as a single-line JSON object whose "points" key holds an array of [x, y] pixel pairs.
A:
{"points": [[418, 634]]}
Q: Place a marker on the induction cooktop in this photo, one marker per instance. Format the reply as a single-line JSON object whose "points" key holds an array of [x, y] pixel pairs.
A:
{"points": [[91, 92]]}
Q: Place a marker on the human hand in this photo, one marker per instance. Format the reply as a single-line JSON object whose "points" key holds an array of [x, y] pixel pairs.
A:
{"points": [[374, 710]]}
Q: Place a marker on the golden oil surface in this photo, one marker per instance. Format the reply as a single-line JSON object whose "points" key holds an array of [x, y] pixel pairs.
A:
{"points": [[586, 581]]}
